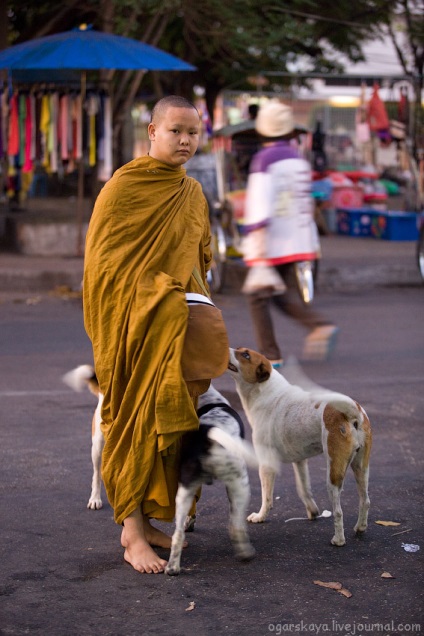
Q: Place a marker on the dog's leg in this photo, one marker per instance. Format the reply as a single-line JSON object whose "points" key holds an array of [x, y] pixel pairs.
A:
{"points": [[360, 466], [336, 472], [97, 443], [339, 443], [303, 487], [183, 502], [334, 492], [267, 477], [238, 492], [361, 471]]}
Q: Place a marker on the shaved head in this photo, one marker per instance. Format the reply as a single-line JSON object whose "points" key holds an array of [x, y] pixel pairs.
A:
{"points": [[174, 101], [174, 130]]}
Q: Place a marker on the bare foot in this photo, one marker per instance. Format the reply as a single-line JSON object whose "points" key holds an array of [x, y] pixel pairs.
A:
{"points": [[156, 537], [138, 552]]}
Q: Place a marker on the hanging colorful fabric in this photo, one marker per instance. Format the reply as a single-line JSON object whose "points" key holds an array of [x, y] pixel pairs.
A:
{"points": [[105, 143], [63, 127], [77, 119], [22, 118], [13, 145], [27, 164], [52, 141], [2, 153], [44, 130], [92, 109], [377, 114], [33, 146]]}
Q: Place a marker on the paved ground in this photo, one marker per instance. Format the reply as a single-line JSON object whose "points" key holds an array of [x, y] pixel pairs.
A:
{"points": [[62, 572]]}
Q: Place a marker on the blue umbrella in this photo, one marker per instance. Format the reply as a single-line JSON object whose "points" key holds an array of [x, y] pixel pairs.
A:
{"points": [[84, 49]]}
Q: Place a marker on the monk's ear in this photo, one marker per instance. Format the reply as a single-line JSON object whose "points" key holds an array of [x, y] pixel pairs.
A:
{"points": [[151, 130], [262, 373]]}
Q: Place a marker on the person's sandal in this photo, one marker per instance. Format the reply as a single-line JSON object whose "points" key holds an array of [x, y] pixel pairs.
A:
{"points": [[277, 364]]}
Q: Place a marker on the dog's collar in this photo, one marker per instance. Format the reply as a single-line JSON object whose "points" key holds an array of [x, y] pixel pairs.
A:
{"points": [[226, 407]]}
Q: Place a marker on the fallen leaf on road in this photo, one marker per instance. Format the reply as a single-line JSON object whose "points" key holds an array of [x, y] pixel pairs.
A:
{"points": [[387, 575], [335, 585], [388, 523], [191, 606]]}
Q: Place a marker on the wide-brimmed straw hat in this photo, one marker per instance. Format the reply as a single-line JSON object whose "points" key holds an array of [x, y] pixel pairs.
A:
{"points": [[274, 120]]}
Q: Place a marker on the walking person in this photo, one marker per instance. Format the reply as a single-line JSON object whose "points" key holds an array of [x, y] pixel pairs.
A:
{"points": [[280, 231], [318, 149], [148, 232]]}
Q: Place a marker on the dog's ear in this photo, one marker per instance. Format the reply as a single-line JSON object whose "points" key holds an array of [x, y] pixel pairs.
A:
{"points": [[262, 373]]}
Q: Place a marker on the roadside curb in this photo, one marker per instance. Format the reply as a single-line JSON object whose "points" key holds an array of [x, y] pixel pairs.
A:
{"points": [[336, 278], [25, 274], [346, 264]]}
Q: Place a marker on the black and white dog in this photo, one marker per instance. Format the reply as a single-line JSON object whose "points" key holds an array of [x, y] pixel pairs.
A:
{"points": [[216, 450]]}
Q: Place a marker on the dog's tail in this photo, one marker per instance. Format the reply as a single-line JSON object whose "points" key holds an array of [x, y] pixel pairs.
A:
{"points": [[82, 377], [243, 449]]}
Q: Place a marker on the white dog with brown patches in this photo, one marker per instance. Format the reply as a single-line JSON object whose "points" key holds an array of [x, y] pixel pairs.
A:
{"points": [[78, 379], [299, 424]]}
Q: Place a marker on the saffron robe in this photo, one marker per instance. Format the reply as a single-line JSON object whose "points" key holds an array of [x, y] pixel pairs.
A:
{"points": [[149, 229]]}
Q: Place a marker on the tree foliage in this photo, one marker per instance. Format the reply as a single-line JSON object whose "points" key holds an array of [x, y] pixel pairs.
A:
{"points": [[228, 41]]}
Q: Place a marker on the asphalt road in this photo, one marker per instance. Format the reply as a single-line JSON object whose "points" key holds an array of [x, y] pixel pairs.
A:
{"points": [[62, 569]]}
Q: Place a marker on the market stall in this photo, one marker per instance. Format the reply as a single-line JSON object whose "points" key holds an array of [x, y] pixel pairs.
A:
{"points": [[59, 128]]}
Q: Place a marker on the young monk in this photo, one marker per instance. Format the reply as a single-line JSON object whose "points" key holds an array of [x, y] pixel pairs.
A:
{"points": [[149, 230]]}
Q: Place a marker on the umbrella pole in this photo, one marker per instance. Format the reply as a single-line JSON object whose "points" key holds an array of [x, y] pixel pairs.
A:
{"points": [[80, 196]]}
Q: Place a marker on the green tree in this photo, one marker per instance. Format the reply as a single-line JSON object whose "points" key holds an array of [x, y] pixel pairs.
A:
{"points": [[231, 42], [228, 42]]}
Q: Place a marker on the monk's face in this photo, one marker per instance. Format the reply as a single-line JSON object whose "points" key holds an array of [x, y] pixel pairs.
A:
{"points": [[174, 135]]}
